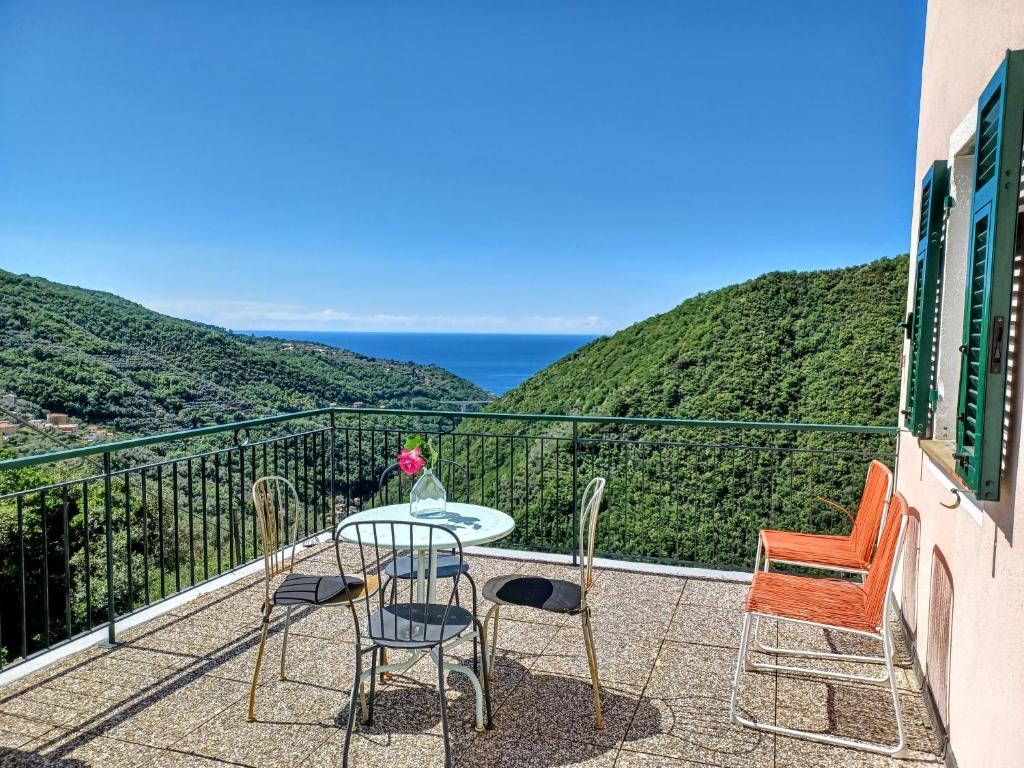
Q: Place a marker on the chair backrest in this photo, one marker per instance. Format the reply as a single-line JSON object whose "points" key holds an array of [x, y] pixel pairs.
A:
{"points": [[872, 509], [590, 505], [381, 542], [882, 571], [277, 506], [394, 485]]}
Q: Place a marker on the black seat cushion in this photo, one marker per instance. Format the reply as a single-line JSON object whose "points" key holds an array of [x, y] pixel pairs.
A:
{"points": [[418, 625], [297, 589], [407, 566], [554, 595]]}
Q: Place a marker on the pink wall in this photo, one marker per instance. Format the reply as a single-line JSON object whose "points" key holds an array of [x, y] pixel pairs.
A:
{"points": [[965, 42]]}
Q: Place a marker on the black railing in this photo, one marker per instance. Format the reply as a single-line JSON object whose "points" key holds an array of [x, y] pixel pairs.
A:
{"points": [[97, 533]]}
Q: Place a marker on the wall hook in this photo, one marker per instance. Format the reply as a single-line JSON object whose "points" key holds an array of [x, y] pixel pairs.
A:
{"points": [[956, 497]]}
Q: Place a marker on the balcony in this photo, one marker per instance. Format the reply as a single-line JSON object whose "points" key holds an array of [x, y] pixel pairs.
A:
{"points": [[161, 538]]}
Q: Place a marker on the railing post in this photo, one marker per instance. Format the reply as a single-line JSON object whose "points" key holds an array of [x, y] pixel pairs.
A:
{"points": [[334, 470], [575, 491], [108, 504]]}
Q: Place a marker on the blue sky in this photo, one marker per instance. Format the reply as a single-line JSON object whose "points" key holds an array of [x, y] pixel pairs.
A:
{"points": [[477, 166]]}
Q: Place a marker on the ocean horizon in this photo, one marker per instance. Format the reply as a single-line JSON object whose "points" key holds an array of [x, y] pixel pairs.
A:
{"points": [[496, 362]]}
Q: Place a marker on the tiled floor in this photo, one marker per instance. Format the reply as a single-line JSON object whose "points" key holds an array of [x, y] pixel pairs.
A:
{"points": [[173, 692]]}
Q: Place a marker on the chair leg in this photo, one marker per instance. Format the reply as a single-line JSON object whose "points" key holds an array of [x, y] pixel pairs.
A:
{"points": [[284, 641], [491, 623], [740, 664], [444, 706], [353, 704], [899, 750], [259, 661], [373, 684], [476, 642], [588, 638], [887, 642], [484, 679]]}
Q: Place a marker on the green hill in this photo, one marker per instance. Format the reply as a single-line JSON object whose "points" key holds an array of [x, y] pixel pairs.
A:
{"points": [[109, 361], [787, 346], [813, 347]]}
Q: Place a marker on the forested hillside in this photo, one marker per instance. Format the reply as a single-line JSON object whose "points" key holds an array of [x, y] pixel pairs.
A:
{"points": [[106, 360], [811, 347], [787, 346]]}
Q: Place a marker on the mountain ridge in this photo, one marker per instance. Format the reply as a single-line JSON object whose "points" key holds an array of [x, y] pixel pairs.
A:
{"points": [[105, 359]]}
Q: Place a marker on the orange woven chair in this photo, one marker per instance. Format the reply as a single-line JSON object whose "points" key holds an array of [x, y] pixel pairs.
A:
{"points": [[849, 554], [844, 606], [846, 554]]}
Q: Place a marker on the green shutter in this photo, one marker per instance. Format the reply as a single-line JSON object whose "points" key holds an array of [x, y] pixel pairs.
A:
{"points": [[934, 188], [989, 278]]}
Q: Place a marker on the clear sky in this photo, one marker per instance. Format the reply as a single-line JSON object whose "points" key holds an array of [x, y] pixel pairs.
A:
{"points": [[476, 166]]}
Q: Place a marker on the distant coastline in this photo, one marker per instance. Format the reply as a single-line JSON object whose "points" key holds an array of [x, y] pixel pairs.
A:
{"points": [[495, 361]]}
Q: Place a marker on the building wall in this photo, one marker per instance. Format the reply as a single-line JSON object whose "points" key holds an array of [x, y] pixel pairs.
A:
{"points": [[965, 41]]}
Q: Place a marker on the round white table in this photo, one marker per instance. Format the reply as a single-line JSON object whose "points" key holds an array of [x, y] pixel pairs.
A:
{"points": [[472, 523]]}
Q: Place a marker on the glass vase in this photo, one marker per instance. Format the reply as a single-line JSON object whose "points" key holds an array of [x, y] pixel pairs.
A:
{"points": [[428, 497]]}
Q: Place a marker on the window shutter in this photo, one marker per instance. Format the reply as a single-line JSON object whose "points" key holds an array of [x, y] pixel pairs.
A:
{"points": [[997, 158], [934, 188]]}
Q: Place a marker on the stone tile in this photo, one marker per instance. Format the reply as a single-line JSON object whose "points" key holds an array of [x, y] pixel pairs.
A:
{"points": [[620, 615], [310, 659], [169, 712], [853, 711], [508, 749], [628, 759], [327, 623], [291, 718], [621, 657], [628, 586], [409, 706], [64, 748], [799, 753], [547, 704], [684, 713], [722, 594], [706, 625], [34, 705], [373, 748], [172, 758], [17, 731]]}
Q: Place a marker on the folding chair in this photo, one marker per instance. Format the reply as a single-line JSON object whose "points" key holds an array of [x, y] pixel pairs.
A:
{"points": [[843, 606]]}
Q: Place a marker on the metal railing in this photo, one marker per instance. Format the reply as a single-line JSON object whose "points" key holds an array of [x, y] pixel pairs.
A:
{"points": [[96, 533]]}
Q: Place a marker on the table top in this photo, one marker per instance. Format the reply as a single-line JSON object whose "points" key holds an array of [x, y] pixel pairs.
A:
{"points": [[472, 523]]}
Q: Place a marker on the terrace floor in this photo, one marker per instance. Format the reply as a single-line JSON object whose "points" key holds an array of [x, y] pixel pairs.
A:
{"points": [[173, 692]]}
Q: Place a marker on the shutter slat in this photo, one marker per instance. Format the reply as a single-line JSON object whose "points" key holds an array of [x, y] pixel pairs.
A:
{"points": [[989, 275], [934, 188]]}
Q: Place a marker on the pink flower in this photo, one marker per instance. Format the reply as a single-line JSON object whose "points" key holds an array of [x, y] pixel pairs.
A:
{"points": [[410, 462]]}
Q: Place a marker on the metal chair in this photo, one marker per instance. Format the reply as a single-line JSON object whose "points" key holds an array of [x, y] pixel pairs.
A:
{"points": [[845, 606], [275, 499], [404, 566], [409, 619], [555, 595]]}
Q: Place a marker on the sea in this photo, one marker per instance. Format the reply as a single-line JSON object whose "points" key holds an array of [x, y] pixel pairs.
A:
{"points": [[497, 362]]}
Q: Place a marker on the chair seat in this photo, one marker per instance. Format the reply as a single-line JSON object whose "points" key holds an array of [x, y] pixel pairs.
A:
{"points": [[418, 625], [407, 566], [833, 602], [297, 589], [812, 549], [552, 595]]}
